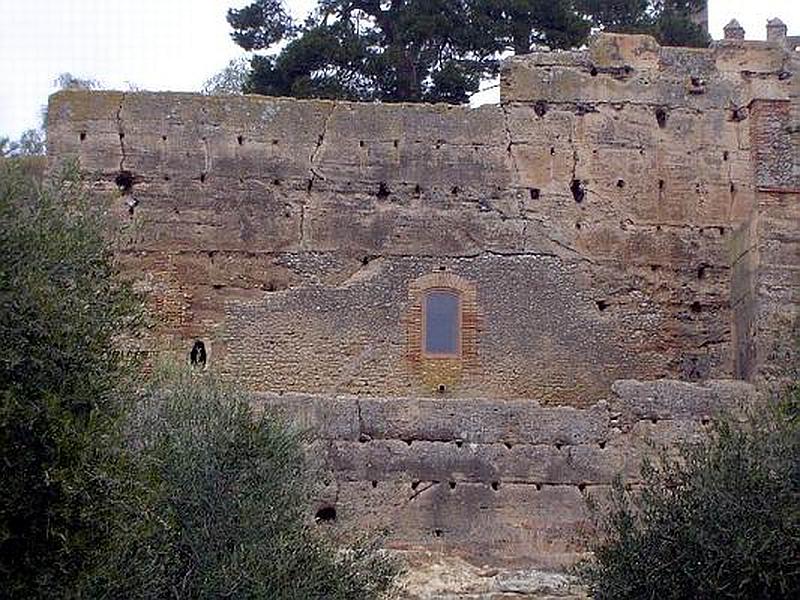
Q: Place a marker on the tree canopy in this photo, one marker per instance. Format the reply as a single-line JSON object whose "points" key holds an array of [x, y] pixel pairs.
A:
{"points": [[429, 50]]}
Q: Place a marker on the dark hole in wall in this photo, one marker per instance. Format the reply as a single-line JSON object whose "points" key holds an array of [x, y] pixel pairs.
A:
{"points": [[275, 142], [733, 188], [414, 485], [593, 71], [276, 182], [738, 114], [661, 117], [417, 190], [578, 226], [455, 190], [552, 150], [442, 388], [374, 483], [559, 445], [438, 532], [495, 485], [620, 183], [452, 485], [202, 177], [696, 307], [121, 135], [124, 181], [361, 143], [581, 487], [240, 140], [459, 443], [198, 356], [602, 305], [540, 108], [326, 514], [701, 271], [578, 191], [725, 155], [602, 445], [163, 138], [396, 143], [83, 135], [508, 445], [661, 184], [383, 191], [535, 193]]}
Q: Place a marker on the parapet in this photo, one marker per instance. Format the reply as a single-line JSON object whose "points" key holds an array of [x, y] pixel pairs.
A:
{"points": [[635, 68]]}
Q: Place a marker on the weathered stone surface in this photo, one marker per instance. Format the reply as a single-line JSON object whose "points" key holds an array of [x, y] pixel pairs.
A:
{"points": [[627, 214]]}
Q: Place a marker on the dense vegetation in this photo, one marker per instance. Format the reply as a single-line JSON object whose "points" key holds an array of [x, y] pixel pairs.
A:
{"points": [[429, 50], [721, 519], [219, 508], [173, 489], [62, 308]]}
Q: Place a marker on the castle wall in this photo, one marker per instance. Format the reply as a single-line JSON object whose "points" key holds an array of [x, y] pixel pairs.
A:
{"points": [[628, 212], [596, 211], [495, 482]]}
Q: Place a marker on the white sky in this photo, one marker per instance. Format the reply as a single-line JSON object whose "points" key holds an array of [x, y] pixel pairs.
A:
{"points": [[176, 44]]}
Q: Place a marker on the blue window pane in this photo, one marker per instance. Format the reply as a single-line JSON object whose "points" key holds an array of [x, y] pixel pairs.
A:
{"points": [[441, 322]]}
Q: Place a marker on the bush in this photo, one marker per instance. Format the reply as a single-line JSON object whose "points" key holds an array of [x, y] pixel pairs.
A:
{"points": [[219, 508], [719, 520], [62, 308]]}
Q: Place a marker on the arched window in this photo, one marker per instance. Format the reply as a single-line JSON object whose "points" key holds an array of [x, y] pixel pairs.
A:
{"points": [[441, 323]]}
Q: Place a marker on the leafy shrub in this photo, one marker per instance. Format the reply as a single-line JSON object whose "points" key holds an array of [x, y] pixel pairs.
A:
{"points": [[719, 520], [219, 508], [61, 308]]}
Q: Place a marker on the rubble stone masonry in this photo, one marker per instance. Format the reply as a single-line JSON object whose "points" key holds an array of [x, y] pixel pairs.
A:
{"points": [[628, 212]]}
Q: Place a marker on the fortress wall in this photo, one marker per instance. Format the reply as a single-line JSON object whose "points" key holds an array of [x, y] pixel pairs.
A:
{"points": [[597, 212], [495, 482], [629, 212]]}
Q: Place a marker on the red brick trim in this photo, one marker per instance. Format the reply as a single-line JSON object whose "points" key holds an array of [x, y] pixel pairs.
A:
{"points": [[441, 370]]}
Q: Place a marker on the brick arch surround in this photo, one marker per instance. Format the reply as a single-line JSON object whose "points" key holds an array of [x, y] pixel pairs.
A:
{"points": [[433, 372]]}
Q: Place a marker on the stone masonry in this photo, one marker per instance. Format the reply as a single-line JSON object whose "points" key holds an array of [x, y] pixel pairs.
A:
{"points": [[622, 232]]}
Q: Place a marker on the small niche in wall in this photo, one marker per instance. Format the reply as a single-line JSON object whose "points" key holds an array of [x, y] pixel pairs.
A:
{"points": [[326, 514], [661, 117], [124, 181], [578, 190], [198, 356]]}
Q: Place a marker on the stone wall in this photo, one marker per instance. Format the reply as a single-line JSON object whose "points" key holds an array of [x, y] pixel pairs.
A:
{"points": [[596, 211], [627, 212], [496, 482]]}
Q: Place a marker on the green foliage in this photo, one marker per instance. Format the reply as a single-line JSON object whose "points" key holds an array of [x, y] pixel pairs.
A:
{"points": [[30, 143], [428, 50], [720, 520], [62, 309], [230, 80], [219, 508]]}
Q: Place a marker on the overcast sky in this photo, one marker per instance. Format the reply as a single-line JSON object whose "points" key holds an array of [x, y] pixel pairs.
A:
{"points": [[176, 44]]}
